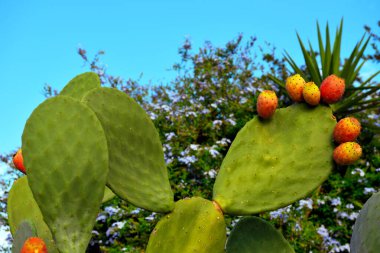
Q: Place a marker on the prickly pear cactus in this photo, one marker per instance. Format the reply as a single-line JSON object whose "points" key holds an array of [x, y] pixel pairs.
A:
{"points": [[108, 194], [25, 230], [80, 85], [366, 234], [66, 159], [22, 207], [137, 167], [274, 162], [252, 234], [195, 225]]}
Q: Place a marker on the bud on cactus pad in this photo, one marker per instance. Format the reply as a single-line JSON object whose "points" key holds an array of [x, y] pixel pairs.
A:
{"points": [[311, 93], [347, 129], [347, 153], [266, 104], [294, 87], [34, 245], [332, 89], [18, 161]]}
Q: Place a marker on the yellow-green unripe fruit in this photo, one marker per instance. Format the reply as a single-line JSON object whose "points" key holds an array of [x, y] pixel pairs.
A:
{"points": [[311, 94]]}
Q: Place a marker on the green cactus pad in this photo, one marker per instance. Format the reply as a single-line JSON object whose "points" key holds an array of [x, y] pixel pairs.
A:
{"points": [[252, 234], [137, 168], [80, 85], [25, 230], [366, 233], [272, 163], [66, 159], [21, 206], [108, 194], [195, 225]]}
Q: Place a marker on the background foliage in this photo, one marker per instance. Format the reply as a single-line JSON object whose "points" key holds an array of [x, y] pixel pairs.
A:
{"points": [[198, 115]]}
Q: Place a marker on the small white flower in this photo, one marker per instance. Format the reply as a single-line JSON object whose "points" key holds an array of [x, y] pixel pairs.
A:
{"points": [[358, 171], [211, 173], [119, 224], [170, 136], [336, 201], [322, 231], [231, 121], [151, 217], [369, 190], [136, 211], [306, 203], [194, 146], [214, 153], [217, 123], [223, 142]]}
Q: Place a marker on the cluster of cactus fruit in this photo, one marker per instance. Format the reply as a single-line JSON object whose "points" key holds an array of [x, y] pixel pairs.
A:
{"points": [[331, 91], [90, 143]]}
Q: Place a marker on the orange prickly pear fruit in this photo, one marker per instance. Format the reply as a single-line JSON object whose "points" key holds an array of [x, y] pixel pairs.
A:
{"points": [[266, 104], [347, 129], [311, 93], [332, 89], [294, 87], [34, 245], [18, 161], [347, 153]]}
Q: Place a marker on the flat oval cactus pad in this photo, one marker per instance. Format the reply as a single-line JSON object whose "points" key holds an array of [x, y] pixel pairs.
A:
{"points": [[366, 233], [80, 85], [195, 225], [137, 171], [66, 159], [21, 207], [252, 234], [272, 163]]}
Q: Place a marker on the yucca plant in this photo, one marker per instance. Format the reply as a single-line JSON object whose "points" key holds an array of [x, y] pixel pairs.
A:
{"points": [[360, 94]]}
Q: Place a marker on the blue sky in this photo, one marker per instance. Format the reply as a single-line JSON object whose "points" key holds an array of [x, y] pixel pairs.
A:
{"points": [[39, 39]]}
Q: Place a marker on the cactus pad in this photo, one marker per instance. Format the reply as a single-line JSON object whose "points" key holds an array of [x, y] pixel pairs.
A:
{"points": [[21, 206], [252, 234], [195, 225], [66, 156], [137, 168], [80, 85], [108, 194], [366, 234], [25, 230], [272, 163]]}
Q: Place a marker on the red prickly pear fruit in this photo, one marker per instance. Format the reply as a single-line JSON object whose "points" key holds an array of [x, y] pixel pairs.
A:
{"points": [[332, 89], [34, 245], [18, 161], [266, 104], [347, 129], [311, 94], [347, 153], [294, 87]]}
